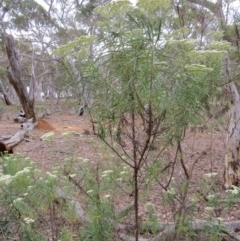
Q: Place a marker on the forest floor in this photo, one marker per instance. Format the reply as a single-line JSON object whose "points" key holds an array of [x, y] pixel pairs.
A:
{"points": [[203, 153]]}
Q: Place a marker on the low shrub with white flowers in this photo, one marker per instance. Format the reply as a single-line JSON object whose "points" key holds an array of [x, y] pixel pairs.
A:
{"points": [[27, 196]]}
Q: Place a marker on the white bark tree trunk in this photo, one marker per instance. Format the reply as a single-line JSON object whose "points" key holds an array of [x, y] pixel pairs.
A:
{"points": [[232, 155], [35, 90]]}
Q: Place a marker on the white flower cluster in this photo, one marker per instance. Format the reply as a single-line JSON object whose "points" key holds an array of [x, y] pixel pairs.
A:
{"points": [[171, 191], [106, 173], [7, 179], [51, 175], [123, 173], [210, 175], [190, 42], [211, 197], [83, 160], [19, 199], [107, 196], [25, 170], [29, 220], [234, 191], [72, 175]]}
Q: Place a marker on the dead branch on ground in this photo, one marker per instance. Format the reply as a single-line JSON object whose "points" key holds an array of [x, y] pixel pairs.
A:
{"points": [[24, 131]]}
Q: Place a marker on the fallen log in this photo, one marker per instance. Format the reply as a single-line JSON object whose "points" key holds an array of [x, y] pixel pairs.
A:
{"points": [[25, 130], [166, 231], [228, 227]]}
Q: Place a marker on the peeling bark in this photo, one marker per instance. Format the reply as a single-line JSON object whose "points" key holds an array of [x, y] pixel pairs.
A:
{"points": [[232, 155], [15, 78]]}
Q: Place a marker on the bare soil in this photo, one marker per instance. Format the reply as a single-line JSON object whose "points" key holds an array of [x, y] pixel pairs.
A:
{"points": [[59, 121]]}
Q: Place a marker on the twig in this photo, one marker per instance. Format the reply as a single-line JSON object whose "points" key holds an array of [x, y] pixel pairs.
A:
{"points": [[182, 162]]}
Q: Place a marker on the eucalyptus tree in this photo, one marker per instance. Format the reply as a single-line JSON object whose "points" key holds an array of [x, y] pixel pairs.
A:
{"points": [[42, 27], [29, 23], [66, 20]]}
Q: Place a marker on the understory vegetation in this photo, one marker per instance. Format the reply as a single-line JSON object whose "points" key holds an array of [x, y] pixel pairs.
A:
{"points": [[93, 199], [154, 81]]}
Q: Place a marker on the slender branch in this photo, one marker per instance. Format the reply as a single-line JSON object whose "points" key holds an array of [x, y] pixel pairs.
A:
{"points": [[182, 162]]}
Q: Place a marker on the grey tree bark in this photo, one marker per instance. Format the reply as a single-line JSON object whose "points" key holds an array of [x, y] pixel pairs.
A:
{"points": [[5, 94], [16, 79]]}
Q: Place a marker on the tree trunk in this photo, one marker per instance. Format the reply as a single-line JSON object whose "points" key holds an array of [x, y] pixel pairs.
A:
{"points": [[13, 94], [34, 89], [38, 93], [15, 78], [232, 155], [5, 94]]}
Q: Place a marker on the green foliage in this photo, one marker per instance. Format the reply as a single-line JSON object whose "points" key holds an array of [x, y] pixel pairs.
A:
{"points": [[24, 15], [26, 195], [83, 43], [65, 234], [149, 85], [100, 226], [216, 35], [215, 232], [138, 71], [152, 5], [14, 184], [114, 10]]}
